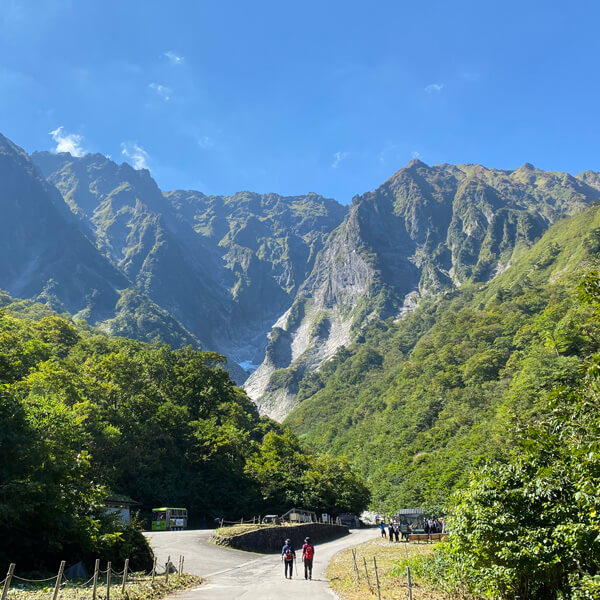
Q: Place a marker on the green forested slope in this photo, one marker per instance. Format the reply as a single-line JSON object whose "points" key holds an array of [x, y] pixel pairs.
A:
{"points": [[418, 402], [82, 413]]}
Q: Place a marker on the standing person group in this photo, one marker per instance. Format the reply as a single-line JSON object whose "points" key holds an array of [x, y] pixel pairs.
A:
{"points": [[288, 556], [435, 525], [394, 530]]}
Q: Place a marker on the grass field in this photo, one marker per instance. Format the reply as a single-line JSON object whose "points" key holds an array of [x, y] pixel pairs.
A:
{"points": [[348, 586]]}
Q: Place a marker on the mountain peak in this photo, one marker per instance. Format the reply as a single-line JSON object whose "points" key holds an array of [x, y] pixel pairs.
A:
{"points": [[415, 162], [526, 167]]}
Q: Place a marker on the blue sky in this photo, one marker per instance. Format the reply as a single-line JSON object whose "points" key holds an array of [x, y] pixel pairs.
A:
{"points": [[291, 97]]}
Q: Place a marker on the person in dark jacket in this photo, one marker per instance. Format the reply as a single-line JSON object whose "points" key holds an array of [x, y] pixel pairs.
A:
{"points": [[288, 556], [308, 553], [391, 532]]}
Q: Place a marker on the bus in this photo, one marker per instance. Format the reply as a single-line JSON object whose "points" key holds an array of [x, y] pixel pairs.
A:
{"points": [[169, 519]]}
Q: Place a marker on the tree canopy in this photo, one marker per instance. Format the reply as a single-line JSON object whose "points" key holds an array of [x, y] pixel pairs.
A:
{"points": [[83, 413]]}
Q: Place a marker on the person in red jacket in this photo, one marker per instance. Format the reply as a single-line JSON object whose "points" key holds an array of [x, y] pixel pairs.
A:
{"points": [[308, 553]]}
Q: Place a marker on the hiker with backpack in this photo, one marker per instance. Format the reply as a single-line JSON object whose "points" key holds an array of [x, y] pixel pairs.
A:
{"points": [[308, 553], [288, 556]]}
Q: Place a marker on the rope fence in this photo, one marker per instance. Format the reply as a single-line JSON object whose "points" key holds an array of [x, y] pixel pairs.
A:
{"points": [[102, 578]]}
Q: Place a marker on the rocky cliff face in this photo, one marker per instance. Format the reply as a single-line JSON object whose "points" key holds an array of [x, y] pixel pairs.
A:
{"points": [[425, 229], [137, 229], [224, 267], [43, 254], [267, 244], [46, 255], [283, 282]]}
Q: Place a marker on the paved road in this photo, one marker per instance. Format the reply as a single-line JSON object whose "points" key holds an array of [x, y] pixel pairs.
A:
{"points": [[237, 575]]}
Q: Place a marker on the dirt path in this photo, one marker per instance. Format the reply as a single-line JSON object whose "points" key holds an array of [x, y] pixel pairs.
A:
{"points": [[236, 575]]}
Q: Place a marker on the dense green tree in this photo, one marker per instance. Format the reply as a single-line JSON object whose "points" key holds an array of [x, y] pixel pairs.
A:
{"points": [[82, 414], [529, 526]]}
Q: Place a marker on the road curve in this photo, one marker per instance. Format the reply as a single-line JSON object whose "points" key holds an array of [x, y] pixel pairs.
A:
{"points": [[236, 575]]}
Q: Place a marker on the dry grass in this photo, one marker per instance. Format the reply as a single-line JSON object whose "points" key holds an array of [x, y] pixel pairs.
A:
{"points": [[344, 580], [238, 529], [231, 530], [138, 588]]}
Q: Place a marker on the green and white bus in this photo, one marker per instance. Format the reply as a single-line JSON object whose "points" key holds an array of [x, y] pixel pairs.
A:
{"points": [[169, 519]]}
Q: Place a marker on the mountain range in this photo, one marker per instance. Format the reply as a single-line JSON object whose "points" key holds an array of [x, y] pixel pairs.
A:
{"points": [[280, 285]]}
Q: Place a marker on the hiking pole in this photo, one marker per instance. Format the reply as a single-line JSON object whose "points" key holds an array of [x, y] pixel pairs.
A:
{"points": [[296, 565]]}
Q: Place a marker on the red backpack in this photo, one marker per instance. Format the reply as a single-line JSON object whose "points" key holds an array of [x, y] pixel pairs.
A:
{"points": [[309, 551], [288, 554]]}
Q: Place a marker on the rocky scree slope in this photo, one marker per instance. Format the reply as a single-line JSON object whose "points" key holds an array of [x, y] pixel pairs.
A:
{"points": [[267, 244], [425, 230]]}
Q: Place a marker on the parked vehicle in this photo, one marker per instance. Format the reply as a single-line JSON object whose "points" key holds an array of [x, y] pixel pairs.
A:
{"points": [[169, 519]]}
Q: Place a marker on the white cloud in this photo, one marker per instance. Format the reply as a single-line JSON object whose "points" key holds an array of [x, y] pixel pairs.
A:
{"points": [[416, 154], [67, 142], [338, 157], [173, 58], [205, 142], [434, 87], [136, 154], [162, 90]]}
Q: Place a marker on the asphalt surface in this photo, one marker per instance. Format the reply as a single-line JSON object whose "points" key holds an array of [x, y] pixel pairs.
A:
{"points": [[236, 575]]}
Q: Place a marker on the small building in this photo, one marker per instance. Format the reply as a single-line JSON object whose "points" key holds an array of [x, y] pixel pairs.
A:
{"points": [[121, 505], [349, 520], [299, 515]]}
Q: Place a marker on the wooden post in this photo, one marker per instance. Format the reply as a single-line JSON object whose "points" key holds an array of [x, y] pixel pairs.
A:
{"points": [[9, 575], [154, 569], [125, 568], [409, 580], [377, 578], [61, 570], [167, 569], [96, 569], [182, 561], [367, 573], [355, 565], [108, 569]]}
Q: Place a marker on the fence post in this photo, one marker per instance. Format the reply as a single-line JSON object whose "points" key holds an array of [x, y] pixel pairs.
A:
{"points": [[367, 572], [167, 568], [61, 570], [355, 565], [125, 568], [108, 569], [377, 578], [154, 569], [11, 570], [96, 569], [182, 561], [409, 580]]}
